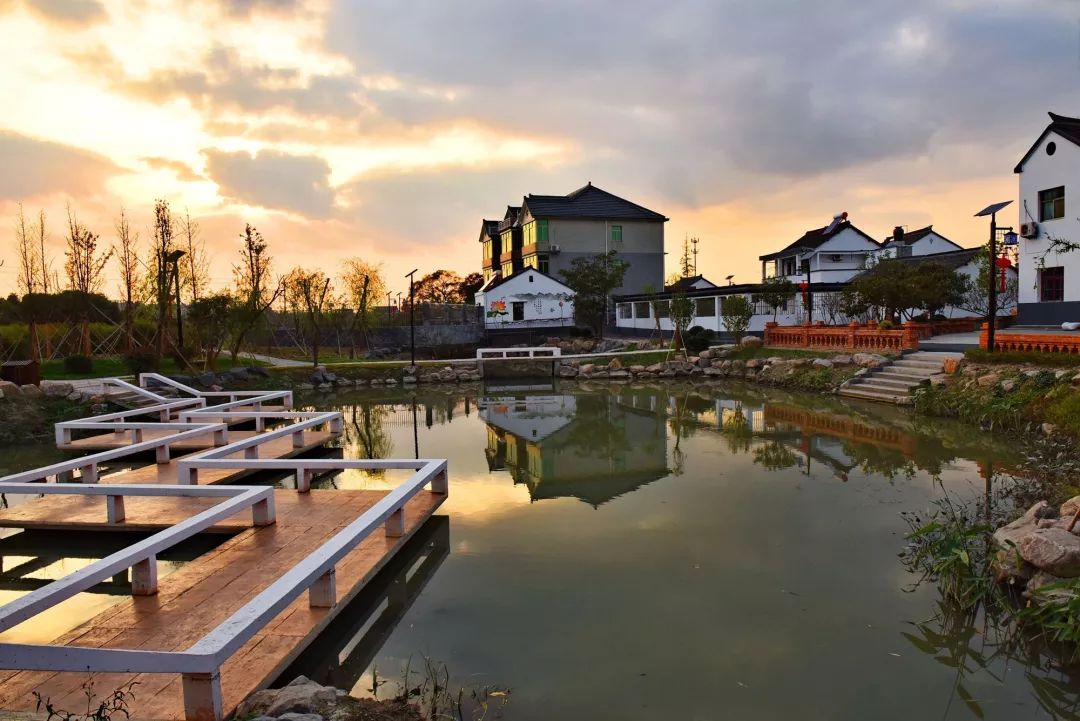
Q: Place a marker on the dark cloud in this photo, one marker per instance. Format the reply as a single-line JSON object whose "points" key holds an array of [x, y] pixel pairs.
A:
{"points": [[181, 170], [296, 183], [78, 12], [38, 167]]}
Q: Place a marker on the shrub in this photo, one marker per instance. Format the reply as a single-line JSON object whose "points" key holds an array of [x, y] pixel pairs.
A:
{"points": [[886, 325], [78, 364], [576, 332], [698, 339], [142, 360]]}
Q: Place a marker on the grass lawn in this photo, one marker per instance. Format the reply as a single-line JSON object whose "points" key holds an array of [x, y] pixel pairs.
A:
{"points": [[765, 352], [1035, 358], [112, 367]]}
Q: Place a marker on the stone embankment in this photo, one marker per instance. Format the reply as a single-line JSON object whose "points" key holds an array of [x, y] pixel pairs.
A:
{"points": [[47, 389], [1040, 548]]}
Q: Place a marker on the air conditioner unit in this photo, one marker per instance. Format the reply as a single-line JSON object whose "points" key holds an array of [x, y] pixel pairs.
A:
{"points": [[1029, 230], [555, 249]]}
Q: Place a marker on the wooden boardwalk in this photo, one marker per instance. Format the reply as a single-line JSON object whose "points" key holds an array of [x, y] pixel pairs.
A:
{"points": [[209, 589]]}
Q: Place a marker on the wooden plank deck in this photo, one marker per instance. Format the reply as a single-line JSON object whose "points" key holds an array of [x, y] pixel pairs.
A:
{"points": [[206, 591]]}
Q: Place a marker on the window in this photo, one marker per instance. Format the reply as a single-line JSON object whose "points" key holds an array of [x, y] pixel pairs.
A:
{"points": [[626, 311], [788, 266], [1052, 284], [1052, 203], [518, 308], [705, 307], [507, 269], [641, 309], [545, 266], [663, 308], [530, 261], [616, 235], [487, 250], [541, 231]]}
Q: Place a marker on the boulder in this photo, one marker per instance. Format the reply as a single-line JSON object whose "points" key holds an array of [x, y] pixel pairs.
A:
{"points": [[706, 354], [301, 696], [842, 360], [751, 341], [75, 396], [258, 371], [1069, 507], [753, 364], [408, 380], [567, 372], [655, 368], [938, 379], [56, 389], [1008, 385], [614, 365], [950, 365], [31, 392], [989, 379], [713, 372], [209, 379], [1039, 581], [1052, 549], [619, 374], [823, 363], [637, 369], [704, 363], [1009, 535], [869, 360], [588, 368], [1048, 429]]}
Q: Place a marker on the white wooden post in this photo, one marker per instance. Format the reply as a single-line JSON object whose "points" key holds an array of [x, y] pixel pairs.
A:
{"points": [[63, 435], [163, 416], [337, 424], [260, 424], [323, 592], [303, 480], [251, 452], [136, 435], [88, 474], [114, 508], [263, 512], [298, 439], [440, 483], [202, 696], [65, 477], [144, 580], [161, 453], [395, 524], [221, 438]]}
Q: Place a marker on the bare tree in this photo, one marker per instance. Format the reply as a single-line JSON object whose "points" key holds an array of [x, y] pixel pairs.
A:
{"points": [[195, 266], [161, 250], [84, 265], [127, 255], [48, 279], [362, 282], [310, 290], [27, 253], [253, 285]]}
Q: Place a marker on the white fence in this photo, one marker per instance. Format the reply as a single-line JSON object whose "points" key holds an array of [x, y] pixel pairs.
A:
{"points": [[182, 419]]}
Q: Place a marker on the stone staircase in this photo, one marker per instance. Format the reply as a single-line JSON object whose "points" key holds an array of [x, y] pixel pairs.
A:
{"points": [[894, 382]]}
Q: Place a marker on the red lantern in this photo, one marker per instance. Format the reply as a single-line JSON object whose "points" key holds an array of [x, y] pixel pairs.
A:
{"points": [[804, 287], [1003, 264]]}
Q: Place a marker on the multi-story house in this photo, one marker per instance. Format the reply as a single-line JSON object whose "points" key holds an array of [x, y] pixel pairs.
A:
{"points": [[832, 254], [492, 248], [1049, 183], [553, 230], [924, 241]]}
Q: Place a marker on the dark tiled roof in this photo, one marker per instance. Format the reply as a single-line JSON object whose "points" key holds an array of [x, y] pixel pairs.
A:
{"points": [[683, 284], [588, 202], [510, 220], [815, 238], [498, 280], [1066, 127], [953, 259], [489, 230], [913, 236]]}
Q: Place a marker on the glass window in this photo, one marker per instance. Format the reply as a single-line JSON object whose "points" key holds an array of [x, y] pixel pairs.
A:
{"points": [[531, 261], [641, 309], [616, 234], [1052, 203], [705, 307], [1052, 284], [518, 309], [545, 265], [663, 308], [542, 231], [626, 311]]}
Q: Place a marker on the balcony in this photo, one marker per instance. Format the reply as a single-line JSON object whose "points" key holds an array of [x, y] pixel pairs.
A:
{"points": [[509, 256]]}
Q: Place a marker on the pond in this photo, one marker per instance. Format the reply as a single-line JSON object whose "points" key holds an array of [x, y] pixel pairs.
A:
{"points": [[639, 553], [683, 553]]}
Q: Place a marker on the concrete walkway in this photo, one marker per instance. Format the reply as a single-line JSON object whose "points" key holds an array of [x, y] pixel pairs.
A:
{"points": [[276, 362]]}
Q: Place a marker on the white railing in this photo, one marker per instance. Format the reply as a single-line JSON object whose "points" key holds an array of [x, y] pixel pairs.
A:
{"points": [[200, 664], [537, 352]]}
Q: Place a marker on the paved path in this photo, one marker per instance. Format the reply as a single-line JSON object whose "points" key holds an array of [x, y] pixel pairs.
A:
{"points": [[276, 362]]}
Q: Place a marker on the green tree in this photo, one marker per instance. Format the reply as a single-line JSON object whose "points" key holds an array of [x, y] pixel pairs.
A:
{"points": [[470, 285], [593, 279], [440, 286], [211, 317], [254, 292], [736, 312], [976, 290], [775, 293], [902, 288], [681, 312]]}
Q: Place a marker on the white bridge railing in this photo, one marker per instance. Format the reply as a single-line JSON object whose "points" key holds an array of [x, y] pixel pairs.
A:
{"points": [[534, 353], [182, 419]]}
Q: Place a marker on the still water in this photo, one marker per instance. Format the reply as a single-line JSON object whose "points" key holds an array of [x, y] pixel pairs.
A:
{"points": [[683, 553]]}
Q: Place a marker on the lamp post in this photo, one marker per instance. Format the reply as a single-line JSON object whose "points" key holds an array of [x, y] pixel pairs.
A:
{"points": [[991, 315], [412, 316], [174, 258]]}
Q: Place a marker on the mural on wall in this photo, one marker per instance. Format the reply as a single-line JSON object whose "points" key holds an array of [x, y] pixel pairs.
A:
{"points": [[497, 308]]}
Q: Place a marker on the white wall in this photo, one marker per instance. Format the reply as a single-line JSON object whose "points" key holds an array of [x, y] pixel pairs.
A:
{"points": [[547, 303], [1041, 172]]}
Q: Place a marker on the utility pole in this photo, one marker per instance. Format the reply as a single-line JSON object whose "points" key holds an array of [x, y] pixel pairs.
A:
{"points": [[412, 315], [991, 315], [694, 242]]}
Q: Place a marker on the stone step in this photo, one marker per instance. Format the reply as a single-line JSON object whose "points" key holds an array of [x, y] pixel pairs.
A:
{"points": [[856, 391], [900, 374], [878, 380], [918, 365]]}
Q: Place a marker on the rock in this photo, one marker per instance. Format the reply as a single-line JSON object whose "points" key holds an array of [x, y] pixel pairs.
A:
{"points": [[842, 360], [31, 392], [706, 354], [258, 371], [1041, 579], [869, 360], [567, 372], [938, 379], [704, 363], [1008, 385], [614, 365], [390, 381], [637, 369], [751, 341], [1052, 549], [206, 379], [1047, 511], [10, 390], [407, 380], [1068, 508], [299, 701], [713, 372], [655, 368], [1076, 378], [74, 396], [753, 363], [303, 716], [950, 365], [1058, 375], [823, 362], [1009, 535], [1048, 429], [588, 368], [619, 374], [989, 379], [56, 389]]}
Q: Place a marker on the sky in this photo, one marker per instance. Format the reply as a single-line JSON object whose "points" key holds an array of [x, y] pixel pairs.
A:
{"points": [[387, 130]]}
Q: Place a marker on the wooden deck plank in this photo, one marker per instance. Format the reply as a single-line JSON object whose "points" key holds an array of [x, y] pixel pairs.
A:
{"points": [[198, 596]]}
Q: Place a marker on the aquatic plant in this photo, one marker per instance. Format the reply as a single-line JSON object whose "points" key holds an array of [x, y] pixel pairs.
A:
{"points": [[115, 704]]}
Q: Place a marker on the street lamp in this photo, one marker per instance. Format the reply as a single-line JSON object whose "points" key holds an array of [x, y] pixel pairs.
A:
{"points": [[412, 315], [174, 258], [991, 319]]}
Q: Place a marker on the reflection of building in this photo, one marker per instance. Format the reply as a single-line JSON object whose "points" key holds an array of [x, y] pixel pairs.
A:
{"points": [[593, 448]]}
